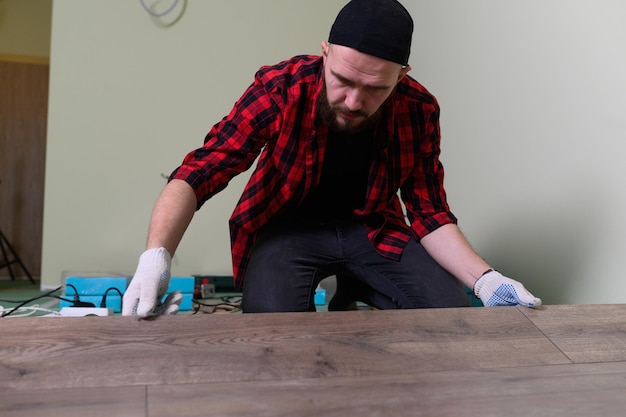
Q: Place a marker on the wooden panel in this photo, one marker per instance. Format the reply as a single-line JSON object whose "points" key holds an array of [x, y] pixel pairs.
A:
{"points": [[76, 402], [585, 333], [115, 351], [25, 59], [557, 390], [461, 362], [561, 390], [23, 112]]}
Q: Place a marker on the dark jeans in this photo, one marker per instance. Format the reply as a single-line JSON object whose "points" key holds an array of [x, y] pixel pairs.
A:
{"points": [[290, 259]]}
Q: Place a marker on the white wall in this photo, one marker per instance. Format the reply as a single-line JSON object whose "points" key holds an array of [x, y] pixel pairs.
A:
{"points": [[533, 95], [25, 27]]}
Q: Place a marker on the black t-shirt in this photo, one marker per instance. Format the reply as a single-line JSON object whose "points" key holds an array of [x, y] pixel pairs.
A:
{"points": [[343, 183]]}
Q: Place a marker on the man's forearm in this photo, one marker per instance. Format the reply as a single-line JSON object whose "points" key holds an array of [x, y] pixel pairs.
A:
{"points": [[452, 251], [171, 216]]}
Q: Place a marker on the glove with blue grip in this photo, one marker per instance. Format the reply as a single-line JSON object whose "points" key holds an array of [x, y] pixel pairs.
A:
{"points": [[494, 289], [149, 285]]}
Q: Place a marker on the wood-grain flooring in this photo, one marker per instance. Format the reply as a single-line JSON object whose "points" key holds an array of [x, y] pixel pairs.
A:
{"points": [[560, 360]]}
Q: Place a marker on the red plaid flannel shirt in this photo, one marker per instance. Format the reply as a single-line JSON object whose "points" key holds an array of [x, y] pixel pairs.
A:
{"points": [[275, 118]]}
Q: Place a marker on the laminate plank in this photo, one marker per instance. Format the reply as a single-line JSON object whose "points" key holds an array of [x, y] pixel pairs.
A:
{"points": [[585, 333], [75, 402], [48, 352], [554, 390]]}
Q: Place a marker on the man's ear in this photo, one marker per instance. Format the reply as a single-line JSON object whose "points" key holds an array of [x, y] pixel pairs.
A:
{"points": [[403, 72], [325, 48]]}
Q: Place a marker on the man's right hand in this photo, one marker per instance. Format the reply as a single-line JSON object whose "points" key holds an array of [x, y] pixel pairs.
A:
{"points": [[149, 285]]}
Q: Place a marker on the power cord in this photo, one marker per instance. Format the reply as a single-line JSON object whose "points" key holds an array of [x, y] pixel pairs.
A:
{"points": [[155, 14], [76, 302], [103, 303], [23, 303], [26, 311]]}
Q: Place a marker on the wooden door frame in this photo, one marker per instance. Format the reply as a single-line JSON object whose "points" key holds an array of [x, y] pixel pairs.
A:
{"points": [[23, 122]]}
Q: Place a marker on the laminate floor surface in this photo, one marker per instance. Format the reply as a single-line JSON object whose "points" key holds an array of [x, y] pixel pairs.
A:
{"points": [[508, 361]]}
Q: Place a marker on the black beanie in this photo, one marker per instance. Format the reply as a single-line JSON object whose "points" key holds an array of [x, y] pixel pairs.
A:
{"points": [[382, 28]]}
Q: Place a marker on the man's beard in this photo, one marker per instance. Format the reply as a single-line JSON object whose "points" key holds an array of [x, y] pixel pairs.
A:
{"points": [[328, 113]]}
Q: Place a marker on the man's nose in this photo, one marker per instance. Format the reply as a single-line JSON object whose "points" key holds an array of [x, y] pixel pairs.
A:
{"points": [[354, 99]]}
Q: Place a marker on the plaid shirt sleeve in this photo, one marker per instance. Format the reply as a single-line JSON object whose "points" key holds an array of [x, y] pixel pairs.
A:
{"points": [[423, 191], [232, 145]]}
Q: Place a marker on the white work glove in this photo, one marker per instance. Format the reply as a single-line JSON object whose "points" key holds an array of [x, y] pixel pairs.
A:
{"points": [[494, 289], [148, 286]]}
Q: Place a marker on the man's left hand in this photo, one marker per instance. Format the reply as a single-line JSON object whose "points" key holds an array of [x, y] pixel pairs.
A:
{"points": [[494, 289]]}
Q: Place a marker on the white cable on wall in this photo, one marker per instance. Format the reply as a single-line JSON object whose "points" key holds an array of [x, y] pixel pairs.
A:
{"points": [[161, 14]]}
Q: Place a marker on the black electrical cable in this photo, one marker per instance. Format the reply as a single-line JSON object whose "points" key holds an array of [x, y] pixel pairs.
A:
{"points": [[77, 302], [67, 300], [231, 301], [23, 303], [103, 303]]}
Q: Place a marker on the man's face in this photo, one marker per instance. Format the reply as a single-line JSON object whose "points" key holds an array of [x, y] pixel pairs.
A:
{"points": [[356, 86]]}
